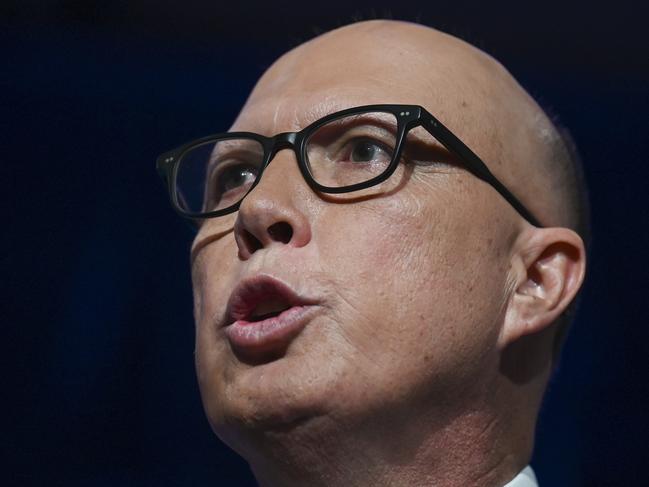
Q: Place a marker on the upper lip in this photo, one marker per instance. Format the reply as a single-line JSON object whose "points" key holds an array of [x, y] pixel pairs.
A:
{"points": [[252, 292]]}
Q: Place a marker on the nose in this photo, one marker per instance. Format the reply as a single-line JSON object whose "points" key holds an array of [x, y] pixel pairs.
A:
{"points": [[272, 212]]}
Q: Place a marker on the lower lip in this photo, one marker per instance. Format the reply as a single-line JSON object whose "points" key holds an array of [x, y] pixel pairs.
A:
{"points": [[268, 334]]}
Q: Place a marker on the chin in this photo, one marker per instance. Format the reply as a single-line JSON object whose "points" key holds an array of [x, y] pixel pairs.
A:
{"points": [[275, 396]]}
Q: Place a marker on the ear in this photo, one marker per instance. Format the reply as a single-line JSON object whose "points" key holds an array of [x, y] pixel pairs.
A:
{"points": [[547, 269]]}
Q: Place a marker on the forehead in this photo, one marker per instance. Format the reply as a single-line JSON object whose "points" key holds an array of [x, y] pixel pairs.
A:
{"points": [[351, 69]]}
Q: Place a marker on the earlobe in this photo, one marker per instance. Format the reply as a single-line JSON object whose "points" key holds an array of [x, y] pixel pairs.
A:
{"points": [[548, 268]]}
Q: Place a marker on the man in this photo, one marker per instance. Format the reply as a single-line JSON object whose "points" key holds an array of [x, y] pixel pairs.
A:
{"points": [[371, 311]]}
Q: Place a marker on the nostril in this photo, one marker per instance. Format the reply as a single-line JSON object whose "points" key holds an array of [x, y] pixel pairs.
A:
{"points": [[251, 242], [281, 232]]}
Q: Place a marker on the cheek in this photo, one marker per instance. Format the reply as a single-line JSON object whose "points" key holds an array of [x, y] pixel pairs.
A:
{"points": [[379, 263], [369, 238], [210, 276], [416, 284]]}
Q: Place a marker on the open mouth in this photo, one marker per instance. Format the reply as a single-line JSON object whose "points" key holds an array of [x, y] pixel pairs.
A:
{"points": [[260, 298], [263, 317]]}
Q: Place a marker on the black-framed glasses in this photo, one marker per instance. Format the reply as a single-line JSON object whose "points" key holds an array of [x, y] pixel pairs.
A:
{"points": [[346, 151]]}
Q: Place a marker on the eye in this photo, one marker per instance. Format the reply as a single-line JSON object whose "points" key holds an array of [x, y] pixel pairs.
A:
{"points": [[364, 150], [234, 177], [229, 183]]}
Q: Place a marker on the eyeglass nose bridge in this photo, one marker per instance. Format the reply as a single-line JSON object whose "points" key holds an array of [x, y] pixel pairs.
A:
{"points": [[284, 140], [281, 141]]}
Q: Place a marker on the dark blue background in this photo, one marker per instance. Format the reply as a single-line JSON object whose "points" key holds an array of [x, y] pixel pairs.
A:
{"points": [[98, 377]]}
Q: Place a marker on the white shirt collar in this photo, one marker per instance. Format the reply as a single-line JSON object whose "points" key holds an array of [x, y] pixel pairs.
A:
{"points": [[524, 479]]}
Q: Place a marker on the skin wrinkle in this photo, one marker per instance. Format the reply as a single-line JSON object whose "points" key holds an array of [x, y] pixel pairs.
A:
{"points": [[400, 379]]}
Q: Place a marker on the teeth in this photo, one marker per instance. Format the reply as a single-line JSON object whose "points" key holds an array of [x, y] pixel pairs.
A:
{"points": [[269, 307]]}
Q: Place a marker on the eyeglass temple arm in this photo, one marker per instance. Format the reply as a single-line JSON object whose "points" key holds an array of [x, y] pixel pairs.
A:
{"points": [[474, 163]]}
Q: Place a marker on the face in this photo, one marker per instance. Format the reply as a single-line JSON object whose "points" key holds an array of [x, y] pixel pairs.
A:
{"points": [[402, 285]]}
